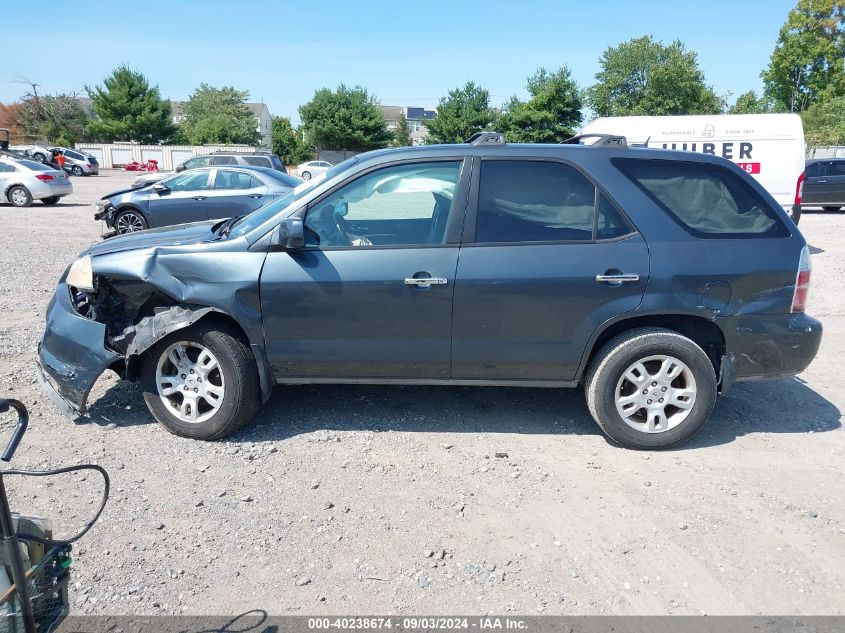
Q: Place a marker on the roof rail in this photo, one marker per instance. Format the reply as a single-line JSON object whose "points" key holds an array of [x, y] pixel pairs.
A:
{"points": [[601, 139], [486, 138]]}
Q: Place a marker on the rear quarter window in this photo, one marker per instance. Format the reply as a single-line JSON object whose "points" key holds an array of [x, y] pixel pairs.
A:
{"points": [[708, 200]]}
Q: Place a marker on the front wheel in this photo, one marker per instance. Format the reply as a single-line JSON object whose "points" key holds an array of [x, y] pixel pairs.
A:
{"points": [[19, 196], [200, 382], [129, 222], [651, 388]]}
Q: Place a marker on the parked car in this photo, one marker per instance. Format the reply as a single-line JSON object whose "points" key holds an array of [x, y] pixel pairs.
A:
{"points": [[312, 168], [254, 159], [822, 185], [208, 193], [23, 181], [770, 147], [656, 279], [77, 162], [37, 153]]}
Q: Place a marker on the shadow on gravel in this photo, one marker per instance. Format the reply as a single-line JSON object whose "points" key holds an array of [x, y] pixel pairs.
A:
{"points": [[781, 406]]}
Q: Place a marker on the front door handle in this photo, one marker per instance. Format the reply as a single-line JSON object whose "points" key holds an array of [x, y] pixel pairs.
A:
{"points": [[255, 195], [425, 282], [617, 278], [821, 181], [200, 197]]}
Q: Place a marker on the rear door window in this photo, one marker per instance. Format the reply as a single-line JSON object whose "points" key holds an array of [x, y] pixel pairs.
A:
{"points": [[258, 161], [836, 168], [708, 200], [534, 201], [223, 160]]}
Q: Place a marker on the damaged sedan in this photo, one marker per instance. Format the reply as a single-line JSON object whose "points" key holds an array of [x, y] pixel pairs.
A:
{"points": [[654, 279]]}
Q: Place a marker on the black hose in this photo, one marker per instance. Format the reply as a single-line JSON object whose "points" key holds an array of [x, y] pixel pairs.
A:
{"points": [[59, 471]]}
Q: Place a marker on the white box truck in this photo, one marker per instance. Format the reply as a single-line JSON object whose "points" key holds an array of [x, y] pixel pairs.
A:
{"points": [[770, 147]]}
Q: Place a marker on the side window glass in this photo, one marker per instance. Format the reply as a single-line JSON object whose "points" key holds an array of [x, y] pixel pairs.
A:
{"points": [[199, 161], [400, 205], [836, 168], [223, 160], [258, 161], [707, 199], [533, 201], [609, 222], [193, 181]]}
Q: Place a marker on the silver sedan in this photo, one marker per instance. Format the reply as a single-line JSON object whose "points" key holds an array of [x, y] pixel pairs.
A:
{"points": [[22, 181]]}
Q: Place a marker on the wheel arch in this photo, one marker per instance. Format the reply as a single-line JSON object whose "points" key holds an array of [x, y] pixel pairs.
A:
{"points": [[151, 330], [702, 331]]}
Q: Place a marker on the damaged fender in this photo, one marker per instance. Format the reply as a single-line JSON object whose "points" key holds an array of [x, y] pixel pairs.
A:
{"points": [[146, 286]]}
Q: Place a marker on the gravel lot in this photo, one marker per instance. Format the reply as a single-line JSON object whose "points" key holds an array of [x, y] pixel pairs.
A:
{"points": [[434, 500]]}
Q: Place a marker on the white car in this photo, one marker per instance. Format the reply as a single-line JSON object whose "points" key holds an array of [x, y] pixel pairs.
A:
{"points": [[312, 168], [22, 181], [37, 153]]}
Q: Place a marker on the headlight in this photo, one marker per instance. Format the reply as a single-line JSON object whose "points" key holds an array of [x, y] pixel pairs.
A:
{"points": [[81, 275]]}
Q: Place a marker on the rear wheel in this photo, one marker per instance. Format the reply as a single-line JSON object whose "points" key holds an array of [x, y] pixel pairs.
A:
{"points": [[200, 382], [76, 170], [306, 175], [51, 200], [795, 214], [19, 196], [831, 209], [39, 157], [129, 221], [651, 388]]}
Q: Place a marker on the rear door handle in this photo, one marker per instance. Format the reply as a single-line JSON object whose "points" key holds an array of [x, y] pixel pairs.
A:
{"points": [[618, 278], [200, 197], [821, 181], [255, 195], [425, 282]]}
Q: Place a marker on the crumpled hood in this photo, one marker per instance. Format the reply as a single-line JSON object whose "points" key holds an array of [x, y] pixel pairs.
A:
{"points": [[120, 192], [165, 236]]}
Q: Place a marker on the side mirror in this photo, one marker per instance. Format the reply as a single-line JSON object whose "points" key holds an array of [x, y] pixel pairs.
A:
{"points": [[160, 187], [290, 234], [180, 167]]}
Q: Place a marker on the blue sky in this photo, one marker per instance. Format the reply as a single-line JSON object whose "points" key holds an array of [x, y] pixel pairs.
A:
{"points": [[405, 53]]}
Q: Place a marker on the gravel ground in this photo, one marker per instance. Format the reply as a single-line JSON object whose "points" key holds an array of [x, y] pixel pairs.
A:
{"points": [[434, 500]]}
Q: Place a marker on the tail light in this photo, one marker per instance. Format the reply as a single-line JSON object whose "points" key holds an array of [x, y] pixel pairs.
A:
{"points": [[44, 177], [799, 188], [88, 166], [802, 281]]}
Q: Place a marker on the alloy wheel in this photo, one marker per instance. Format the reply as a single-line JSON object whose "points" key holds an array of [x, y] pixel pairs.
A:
{"points": [[129, 222], [655, 394], [190, 382]]}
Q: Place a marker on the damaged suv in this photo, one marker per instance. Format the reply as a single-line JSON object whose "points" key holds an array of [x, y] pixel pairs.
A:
{"points": [[654, 278]]}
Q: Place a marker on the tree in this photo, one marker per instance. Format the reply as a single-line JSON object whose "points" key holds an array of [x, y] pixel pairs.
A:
{"points": [[402, 134], [824, 123], [806, 66], [129, 109], [551, 114], [218, 115], [749, 103], [460, 114], [288, 142], [643, 76], [344, 119], [58, 119], [9, 117]]}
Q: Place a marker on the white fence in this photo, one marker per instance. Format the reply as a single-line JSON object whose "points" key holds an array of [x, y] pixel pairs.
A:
{"points": [[168, 156], [831, 151]]}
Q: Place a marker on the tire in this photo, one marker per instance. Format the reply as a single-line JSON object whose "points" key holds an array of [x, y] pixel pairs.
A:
{"points": [[51, 200], [234, 374], [76, 170], [306, 175], [606, 380], [19, 196], [129, 221], [831, 209], [38, 157], [795, 215]]}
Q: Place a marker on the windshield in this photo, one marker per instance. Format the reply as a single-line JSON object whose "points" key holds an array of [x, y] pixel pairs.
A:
{"points": [[260, 216]]}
